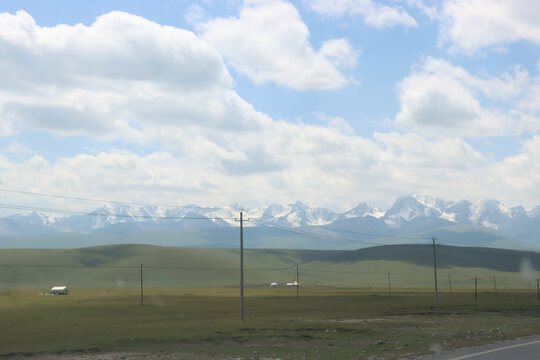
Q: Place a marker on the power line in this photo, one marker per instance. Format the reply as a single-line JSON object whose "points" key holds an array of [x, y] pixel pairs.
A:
{"points": [[388, 236], [309, 234], [323, 236], [495, 251], [133, 267], [77, 212], [101, 200]]}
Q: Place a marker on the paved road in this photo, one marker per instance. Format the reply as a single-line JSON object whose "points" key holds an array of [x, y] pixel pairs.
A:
{"points": [[522, 349]]}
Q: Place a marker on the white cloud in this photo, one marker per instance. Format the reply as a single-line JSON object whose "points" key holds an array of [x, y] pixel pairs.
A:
{"points": [[339, 52], [115, 79], [374, 14], [17, 149], [336, 122], [431, 11], [314, 164], [530, 101], [470, 25], [111, 48], [441, 99], [269, 42], [97, 81], [516, 177], [195, 13]]}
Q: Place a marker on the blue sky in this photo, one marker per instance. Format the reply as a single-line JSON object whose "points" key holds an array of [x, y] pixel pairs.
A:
{"points": [[331, 103]]}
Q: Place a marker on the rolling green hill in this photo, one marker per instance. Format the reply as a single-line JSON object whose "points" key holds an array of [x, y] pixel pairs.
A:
{"points": [[407, 266], [314, 237]]}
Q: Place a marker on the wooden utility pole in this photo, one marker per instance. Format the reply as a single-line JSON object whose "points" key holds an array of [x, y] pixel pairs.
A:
{"points": [[297, 285], [241, 265], [435, 275], [141, 284], [450, 283], [389, 287], [495, 283], [475, 288]]}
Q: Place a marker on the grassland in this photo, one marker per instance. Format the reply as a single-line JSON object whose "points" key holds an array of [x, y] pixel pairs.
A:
{"points": [[202, 323], [346, 308], [409, 266]]}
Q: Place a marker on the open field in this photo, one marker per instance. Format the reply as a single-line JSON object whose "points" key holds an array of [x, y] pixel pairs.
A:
{"points": [[202, 323], [409, 266]]}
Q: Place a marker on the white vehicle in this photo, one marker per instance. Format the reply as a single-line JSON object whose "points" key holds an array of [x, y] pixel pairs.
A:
{"points": [[59, 290]]}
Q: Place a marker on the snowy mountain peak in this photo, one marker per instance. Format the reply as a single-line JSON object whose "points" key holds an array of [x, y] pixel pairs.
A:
{"points": [[406, 211], [408, 208], [490, 213], [363, 210]]}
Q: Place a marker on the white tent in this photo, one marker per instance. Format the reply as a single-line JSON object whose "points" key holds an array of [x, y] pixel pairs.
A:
{"points": [[59, 290]]}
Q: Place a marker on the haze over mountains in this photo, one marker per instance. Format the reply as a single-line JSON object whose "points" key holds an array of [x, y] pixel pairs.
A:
{"points": [[484, 223]]}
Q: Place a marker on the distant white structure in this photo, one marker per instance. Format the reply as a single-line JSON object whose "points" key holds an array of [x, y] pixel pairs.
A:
{"points": [[59, 290], [292, 284], [274, 284]]}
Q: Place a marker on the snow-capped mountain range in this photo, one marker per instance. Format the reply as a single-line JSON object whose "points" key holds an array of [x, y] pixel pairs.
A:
{"points": [[407, 214]]}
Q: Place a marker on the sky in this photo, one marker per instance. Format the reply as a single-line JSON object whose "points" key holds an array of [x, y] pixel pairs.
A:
{"points": [[328, 102]]}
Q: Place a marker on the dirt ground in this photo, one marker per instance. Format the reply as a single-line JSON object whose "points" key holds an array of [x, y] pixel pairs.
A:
{"points": [[107, 356], [114, 356]]}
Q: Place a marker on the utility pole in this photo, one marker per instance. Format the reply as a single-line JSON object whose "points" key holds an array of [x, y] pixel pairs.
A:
{"points": [[538, 289], [475, 288], [141, 284], [450, 283], [297, 285], [495, 283], [435, 274], [241, 265], [389, 287]]}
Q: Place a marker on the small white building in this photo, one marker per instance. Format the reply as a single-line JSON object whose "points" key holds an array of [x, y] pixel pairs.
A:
{"points": [[292, 284], [59, 290], [274, 284]]}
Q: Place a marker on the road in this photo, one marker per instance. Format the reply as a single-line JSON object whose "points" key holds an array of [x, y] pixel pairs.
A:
{"points": [[521, 349]]}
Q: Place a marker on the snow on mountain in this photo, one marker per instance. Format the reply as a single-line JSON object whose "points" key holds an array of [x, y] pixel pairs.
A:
{"points": [[34, 218], [406, 213], [363, 210], [490, 214], [408, 208], [294, 215]]}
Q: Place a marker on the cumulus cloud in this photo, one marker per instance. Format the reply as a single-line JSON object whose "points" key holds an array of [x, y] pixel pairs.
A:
{"points": [[97, 81], [530, 101], [269, 42], [316, 165], [307, 162], [469, 25], [519, 174], [441, 99], [123, 77], [336, 122], [373, 13]]}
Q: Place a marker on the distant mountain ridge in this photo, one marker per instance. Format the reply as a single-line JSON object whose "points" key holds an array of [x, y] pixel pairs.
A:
{"points": [[408, 214]]}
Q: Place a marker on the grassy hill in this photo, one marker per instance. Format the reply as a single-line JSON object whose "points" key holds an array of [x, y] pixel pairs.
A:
{"points": [[315, 237], [408, 265]]}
